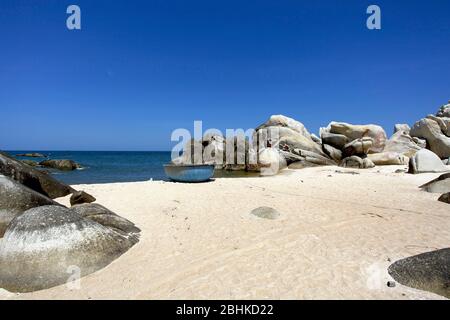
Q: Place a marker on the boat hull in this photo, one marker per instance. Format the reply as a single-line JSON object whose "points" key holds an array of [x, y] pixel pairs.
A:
{"points": [[192, 173]]}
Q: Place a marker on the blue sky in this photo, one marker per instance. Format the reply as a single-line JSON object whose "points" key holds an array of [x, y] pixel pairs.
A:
{"points": [[139, 69]]}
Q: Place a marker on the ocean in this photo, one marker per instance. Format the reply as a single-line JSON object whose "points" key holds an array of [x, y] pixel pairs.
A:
{"points": [[107, 166], [115, 166]]}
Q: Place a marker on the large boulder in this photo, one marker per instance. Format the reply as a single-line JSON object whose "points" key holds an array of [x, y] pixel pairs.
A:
{"points": [[44, 244], [428, 271], [271, 161], [438, 185], [358, 147], [426, 161], [15, 199], [332, 152], [286, 122], [214, 148], [402, 142], [353, 132], [430, 130], [64, 165], [337, 141], [388, 158], [32, 178], [443, 122]]}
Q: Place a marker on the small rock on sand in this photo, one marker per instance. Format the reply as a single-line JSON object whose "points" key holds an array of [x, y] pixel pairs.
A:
{"points": [[266, 213]]}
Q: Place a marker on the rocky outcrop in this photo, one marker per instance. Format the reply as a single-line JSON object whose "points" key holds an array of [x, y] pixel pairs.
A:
{"points": [[428, 271], [426, 161], [80, 197], [32, 178], [444, 111], [332, 152], [32, 155], [401, 142], [388, 158], [430, 130], [281, 121], [44, 244], [353, 132], [438, 185], [16, 199], [64, 165], [337, 141]]}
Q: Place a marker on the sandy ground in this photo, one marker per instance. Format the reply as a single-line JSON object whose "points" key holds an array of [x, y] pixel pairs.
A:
{"points": [[335, 238]]}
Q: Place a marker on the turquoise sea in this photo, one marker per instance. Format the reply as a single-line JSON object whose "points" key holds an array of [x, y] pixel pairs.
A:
{"points": [[107, 166], [114, 166]]}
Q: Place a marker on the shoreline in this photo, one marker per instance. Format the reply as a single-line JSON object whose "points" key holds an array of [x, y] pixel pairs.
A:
{"points": [[334, 238]]}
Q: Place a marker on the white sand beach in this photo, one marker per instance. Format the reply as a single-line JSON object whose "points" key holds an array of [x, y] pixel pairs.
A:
{"points": [[335, 237]]}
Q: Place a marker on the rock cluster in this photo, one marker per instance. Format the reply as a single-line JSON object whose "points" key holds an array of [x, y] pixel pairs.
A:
{"points": [[284, 142], [42, 239]]}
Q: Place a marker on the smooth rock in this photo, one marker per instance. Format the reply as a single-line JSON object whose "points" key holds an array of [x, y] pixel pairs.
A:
{"points": [[402, 142], [337, 141], [429, 130], [438, 185], [283, 121], [428, 271], [80, 197], [353, 132], [16, 199], [358, 147], [388, 158], [357, 162], [426, 161], [266, 213], [271, 161], [64, 165], [107, 218], [332, 152], [42, 246], [32, 178]]}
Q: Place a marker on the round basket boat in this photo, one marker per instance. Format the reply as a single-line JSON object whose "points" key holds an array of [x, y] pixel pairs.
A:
{"points": [[189, 173]]}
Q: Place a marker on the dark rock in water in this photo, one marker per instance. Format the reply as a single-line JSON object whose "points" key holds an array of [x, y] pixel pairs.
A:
{"points": [[107, 218], [31, 163], [266, 213], [15, 199], [438, 185], [445, 198], [43, 245], [32, 178], [64, 165], [32, 155], [80, 197], [427, 271]]}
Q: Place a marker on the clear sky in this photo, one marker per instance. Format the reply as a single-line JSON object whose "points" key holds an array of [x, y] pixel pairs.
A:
{"points": [[139, 69]]}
